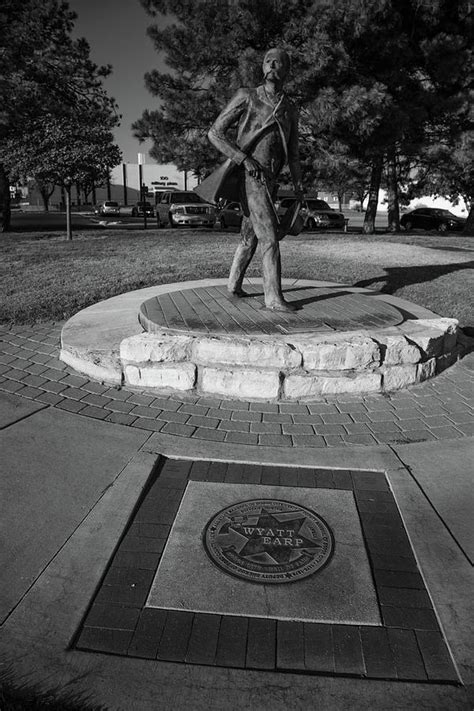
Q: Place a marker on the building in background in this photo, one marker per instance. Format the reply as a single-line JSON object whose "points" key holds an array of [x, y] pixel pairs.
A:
{"points": [[123, 186], [155, 178]]}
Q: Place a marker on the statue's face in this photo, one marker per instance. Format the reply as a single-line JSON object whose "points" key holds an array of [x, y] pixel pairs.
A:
{"points": [[276, 65]]}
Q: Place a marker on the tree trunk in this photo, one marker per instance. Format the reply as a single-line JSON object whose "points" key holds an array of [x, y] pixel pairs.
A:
{"points": [[340, 198], [45, 195], [393, 210], [68, 212], [469, 226], [376, 176], [5, 210], [361, 195]]}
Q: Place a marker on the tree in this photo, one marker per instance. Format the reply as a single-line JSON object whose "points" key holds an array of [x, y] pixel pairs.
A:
{"points": [[211, 50], [61, 151], [45, 187], [447, 170], [371, 77], [412, 59], [45, 73]]}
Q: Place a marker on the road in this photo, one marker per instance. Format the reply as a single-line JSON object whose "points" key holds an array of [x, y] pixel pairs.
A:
{"points": [[31, 221]]}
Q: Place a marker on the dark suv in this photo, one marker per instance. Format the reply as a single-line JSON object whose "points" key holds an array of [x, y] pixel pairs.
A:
{"points": [[432, 218], [316, 213], [141, 207]]}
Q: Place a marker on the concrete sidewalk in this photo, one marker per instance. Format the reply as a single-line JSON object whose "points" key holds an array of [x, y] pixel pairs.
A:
{"points": [[70, 483]]}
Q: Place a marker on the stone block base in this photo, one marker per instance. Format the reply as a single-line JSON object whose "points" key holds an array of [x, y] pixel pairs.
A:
{"points": [[260, 358], [179, 376], [299, 367]]}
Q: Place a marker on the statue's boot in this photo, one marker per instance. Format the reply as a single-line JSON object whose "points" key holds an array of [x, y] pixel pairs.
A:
{"points": [[271, 263], [281, 306], [242, 257]]}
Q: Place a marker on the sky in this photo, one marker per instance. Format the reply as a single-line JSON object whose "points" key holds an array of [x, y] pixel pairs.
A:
{"points": [[116, 32]]}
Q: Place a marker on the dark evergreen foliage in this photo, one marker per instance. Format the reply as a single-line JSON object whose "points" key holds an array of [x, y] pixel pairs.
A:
{"points": [[376, 80]]}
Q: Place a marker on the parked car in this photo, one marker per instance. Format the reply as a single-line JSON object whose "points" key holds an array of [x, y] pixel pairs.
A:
{"points": [[231, 215], [108, 207], [432, 218], [184, 207], [316, 213], [140, 207]]}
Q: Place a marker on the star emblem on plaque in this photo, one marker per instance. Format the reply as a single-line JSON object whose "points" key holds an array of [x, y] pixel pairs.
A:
{"points": [[268, 541]]}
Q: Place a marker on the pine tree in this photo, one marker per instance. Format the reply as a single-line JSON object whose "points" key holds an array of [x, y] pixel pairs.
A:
{"points": [[372, 78]]}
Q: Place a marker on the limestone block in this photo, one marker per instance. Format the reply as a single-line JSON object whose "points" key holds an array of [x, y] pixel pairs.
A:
{"points": [[156, 347], [306, 386], [338, 352], [434, 336], [399, 376], [246, 352], [398, 350], [450, 326], [240, 383], [180, 376], [102, 366], [426, 370]]}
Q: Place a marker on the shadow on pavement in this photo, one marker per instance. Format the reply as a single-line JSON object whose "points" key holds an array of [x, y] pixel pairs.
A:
{"points": [[397, 277]]}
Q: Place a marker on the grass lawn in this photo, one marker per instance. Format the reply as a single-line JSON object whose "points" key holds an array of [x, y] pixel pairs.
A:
{"points": [[44, 277]]}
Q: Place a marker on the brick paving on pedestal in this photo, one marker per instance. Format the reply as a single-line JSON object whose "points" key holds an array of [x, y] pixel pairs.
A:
{"points": [[441, 408], [208, 309]]}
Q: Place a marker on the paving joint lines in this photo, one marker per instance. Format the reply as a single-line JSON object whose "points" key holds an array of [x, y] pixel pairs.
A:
{"points": [[434, 410], [407, 646]]}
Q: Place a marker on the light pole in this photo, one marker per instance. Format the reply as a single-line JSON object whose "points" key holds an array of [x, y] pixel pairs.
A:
{"points": [[124, 170], [67, 188], [141, 160]]}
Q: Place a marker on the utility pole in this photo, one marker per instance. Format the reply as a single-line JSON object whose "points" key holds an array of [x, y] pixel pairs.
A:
{"points": [[124, 171], [67, 190], [141, 160]]}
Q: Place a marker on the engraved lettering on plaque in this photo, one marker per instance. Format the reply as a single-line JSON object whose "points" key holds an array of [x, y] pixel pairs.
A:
{"points": [[268, 541]]}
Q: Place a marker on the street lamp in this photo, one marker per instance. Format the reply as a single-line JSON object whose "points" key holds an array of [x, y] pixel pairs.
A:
{"points": [[141, 160], [67, 182]]}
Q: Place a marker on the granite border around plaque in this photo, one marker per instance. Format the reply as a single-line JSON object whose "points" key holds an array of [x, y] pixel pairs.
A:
{"points": [[409, 646]]}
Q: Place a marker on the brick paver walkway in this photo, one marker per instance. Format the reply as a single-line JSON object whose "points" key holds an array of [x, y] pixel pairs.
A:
{"points": [[407, 645], [442, 408]]}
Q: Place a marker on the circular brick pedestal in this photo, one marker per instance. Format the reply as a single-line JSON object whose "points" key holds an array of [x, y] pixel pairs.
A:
{"points": [[197, 340]]}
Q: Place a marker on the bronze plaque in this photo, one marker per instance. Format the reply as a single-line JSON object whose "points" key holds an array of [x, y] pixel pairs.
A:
{"points": [[268, 541]]}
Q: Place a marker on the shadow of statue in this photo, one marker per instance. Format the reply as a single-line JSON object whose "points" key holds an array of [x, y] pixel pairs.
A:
{"points": [[397, 277], [299, 303]]}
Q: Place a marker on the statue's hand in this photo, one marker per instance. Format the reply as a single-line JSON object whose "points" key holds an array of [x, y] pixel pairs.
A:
{"points": [[254, 169]]}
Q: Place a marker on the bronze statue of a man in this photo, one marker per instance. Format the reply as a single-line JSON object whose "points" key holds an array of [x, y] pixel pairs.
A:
{"points": [[267, 139]]}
